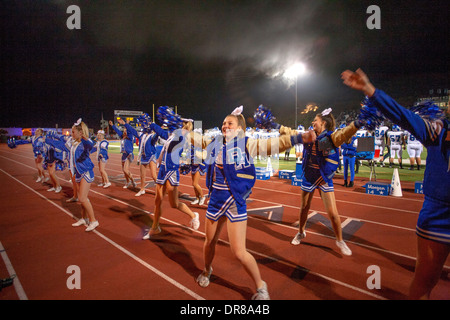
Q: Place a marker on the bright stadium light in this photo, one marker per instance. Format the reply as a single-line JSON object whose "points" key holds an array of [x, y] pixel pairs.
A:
{"points": [[293, 73]]}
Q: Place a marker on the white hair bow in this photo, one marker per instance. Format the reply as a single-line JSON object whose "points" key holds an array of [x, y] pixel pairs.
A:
{"points": [[237, 111], [326, 112], [78, 122], [186, 120]]}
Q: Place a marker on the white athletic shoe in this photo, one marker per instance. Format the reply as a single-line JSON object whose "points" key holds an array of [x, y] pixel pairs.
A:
{"points": [[58, 189], [195, 201], [108, 184], [203, 280], [51, 189], [140, 193], [72, 200], [80, 222], [261, 293], [151, 233], [195, 222], [92, 226], [100, 185], [344, 249], [298, 238], [39, 179], [202, 200]]}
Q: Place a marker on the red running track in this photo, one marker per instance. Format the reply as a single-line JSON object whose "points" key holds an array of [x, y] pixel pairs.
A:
{"points": [[38, 243]]}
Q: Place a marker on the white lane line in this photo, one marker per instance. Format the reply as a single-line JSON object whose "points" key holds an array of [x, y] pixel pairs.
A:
{"points": [[17, 285], [137, 259], [223, 241]]}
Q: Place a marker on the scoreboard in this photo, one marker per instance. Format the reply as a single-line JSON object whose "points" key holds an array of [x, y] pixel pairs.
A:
{"points": [[127, 115]]}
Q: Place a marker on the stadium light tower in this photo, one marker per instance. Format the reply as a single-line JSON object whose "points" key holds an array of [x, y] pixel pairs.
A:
{"points": [[292, 73]]}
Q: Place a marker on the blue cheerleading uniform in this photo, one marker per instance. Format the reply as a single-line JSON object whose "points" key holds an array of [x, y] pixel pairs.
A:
{"points": [[147, 142], [54, 154], [230, 177], [320, 161], [434, 218], [38, 145], [169, 159], [197, 164], [81, 164], [101, 147], [126, 144]]}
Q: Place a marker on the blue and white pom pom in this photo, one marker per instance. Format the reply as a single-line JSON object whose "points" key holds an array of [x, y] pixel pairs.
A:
{"points": [[185, 168], [264, 118], [144, 120], [370, 116], [428, 110], [166, 116]]}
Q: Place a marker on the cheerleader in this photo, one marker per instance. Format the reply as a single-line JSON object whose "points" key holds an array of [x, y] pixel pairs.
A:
{"points": [[196, 167], [126, 149], [38, 143], [230, 178], [168, 178], [53, 160], [432, 128], [82, 168], [101, 147], [147, 150], [64, 143], [321, 159]]}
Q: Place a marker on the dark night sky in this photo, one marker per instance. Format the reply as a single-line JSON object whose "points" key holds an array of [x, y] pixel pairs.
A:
{"points": [[208, 57]]}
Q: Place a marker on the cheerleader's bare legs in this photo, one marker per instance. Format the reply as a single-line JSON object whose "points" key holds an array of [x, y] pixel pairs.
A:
{"points": [[74, 188], [87, 211], [54, 179], [127, 173], [329, 202], [237, 234], [40, 170], [143, 172], [199, 199], [431, 256], [101, 168], [174, 203]]}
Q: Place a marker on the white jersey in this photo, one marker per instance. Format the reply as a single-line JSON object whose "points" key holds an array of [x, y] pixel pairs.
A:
{"points": [[380, 133], [299, 146], [395, 137], [410, 139], [362, 133]]}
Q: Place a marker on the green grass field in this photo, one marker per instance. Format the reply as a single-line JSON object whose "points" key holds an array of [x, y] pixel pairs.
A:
{"points": [[383, 173]]}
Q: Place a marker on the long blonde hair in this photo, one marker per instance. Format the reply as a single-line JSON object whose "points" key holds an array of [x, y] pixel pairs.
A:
{"points": [[83, 128]]}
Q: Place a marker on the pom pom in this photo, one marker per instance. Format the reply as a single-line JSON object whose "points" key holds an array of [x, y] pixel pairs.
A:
{"points": [[166, 116], [185, 169], [263, 118], [370, 115], [11, 143], [428, 110], [144, 120]]}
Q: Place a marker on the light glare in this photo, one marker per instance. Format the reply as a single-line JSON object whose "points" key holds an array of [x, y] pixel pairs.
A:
{"points": [[295, 71]]}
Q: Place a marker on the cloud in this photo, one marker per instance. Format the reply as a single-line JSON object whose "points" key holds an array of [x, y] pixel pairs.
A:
{"points": [[266, 34]]}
